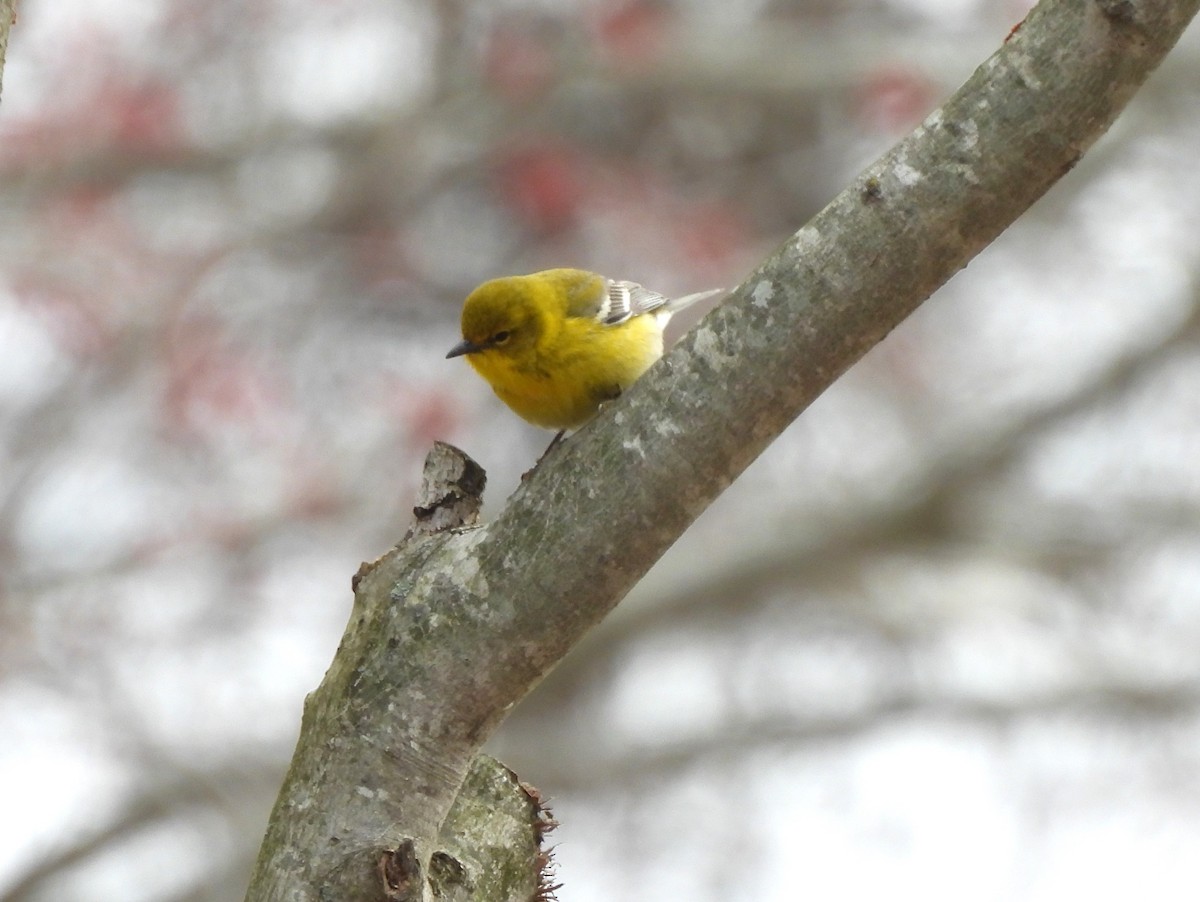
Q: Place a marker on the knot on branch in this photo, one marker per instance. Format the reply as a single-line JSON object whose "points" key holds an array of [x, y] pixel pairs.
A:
{"points": [[451, 492], [400, 873], [450, 497], [1122, 11], [447, 875]]}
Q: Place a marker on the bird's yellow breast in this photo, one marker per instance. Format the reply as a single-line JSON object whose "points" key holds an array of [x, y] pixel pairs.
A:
{"points": [[563, 382]]}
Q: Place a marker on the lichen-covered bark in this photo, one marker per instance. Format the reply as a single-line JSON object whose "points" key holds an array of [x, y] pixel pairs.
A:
{"points": [[452, 629], [7, 15], [491, 845]]}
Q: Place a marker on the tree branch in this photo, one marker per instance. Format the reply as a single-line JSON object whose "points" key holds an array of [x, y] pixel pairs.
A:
{"points": [[8, 15], [449, 631]]}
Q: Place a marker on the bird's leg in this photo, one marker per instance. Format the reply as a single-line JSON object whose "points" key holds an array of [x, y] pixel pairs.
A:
{"points": [[603, 398], [554, 443]]}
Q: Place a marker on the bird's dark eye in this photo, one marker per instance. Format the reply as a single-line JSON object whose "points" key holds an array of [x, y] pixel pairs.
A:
{"points": [[501, 337]]}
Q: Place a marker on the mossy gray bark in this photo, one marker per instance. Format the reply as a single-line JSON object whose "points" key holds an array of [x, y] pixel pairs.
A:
{"points": [[8, 13]]}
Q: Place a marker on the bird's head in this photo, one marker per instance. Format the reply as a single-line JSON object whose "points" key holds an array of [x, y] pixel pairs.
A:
{"points": [[502, 317]]}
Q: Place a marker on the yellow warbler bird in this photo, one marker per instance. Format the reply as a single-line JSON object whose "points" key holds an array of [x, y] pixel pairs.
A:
{"points": [[555, 345]]}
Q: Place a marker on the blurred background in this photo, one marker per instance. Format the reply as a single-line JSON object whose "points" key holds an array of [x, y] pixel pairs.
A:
{"points": [[941, 641]]}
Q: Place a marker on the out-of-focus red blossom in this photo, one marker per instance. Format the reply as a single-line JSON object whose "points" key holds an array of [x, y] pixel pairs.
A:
{"points": [[632, 30], [544, 185], [141, 119], [517, 64], [84, 211], [893, 98], [145, 116], [210, 382]]}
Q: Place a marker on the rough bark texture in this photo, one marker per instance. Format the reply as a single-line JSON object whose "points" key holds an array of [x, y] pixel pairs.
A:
{"points": [[451, 629], [8, 12]]}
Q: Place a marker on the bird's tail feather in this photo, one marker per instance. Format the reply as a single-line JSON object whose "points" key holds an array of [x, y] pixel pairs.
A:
{"points": [[674, 305]]}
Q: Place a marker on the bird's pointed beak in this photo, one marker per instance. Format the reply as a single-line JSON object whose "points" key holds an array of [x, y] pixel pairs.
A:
{"points": [[463, 347]]}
